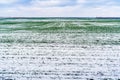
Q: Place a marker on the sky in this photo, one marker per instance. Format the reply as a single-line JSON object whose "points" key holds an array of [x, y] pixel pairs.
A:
{"points": [[59, 8]]}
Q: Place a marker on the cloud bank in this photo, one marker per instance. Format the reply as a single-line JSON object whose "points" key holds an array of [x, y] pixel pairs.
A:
{"points": [[59, 8]]}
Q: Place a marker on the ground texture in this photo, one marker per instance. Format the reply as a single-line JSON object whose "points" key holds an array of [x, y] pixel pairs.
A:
{"points": [[59, 49]]}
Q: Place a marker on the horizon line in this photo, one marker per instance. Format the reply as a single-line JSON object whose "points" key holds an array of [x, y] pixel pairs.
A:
{"points": [[64, 17]]}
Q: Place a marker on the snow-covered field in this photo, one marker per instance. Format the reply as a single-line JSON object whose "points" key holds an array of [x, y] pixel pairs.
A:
{"points": [[57, 49]]}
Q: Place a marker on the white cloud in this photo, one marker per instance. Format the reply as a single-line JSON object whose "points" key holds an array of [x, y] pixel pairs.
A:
{"points": [[81, 1], [7, 1], [45, 3], [55, 3]]}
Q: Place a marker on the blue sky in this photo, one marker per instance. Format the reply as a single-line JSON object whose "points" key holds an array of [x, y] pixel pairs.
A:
{"points": [[59, 8]]}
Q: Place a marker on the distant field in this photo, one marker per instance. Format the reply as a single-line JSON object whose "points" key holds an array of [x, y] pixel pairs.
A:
{"points": [[59, 49], [80, 31], [59, 25]]}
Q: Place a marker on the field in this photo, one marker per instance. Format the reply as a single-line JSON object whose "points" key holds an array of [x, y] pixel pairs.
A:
{"points": [[59, 49]]}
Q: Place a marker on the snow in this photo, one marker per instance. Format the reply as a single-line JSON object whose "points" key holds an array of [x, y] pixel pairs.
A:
{"points": [[27, 55]]}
